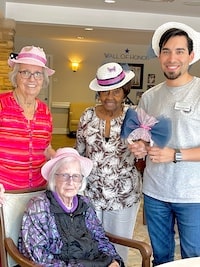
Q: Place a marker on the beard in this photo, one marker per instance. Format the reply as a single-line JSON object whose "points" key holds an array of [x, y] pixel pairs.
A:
{"points": [[172, 75]]}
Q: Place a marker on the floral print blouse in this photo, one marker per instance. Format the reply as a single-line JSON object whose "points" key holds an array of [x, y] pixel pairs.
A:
{"points": [[114, 182]]}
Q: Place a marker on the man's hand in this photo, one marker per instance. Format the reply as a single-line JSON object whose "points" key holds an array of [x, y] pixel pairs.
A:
{"points": [[158, 155]]}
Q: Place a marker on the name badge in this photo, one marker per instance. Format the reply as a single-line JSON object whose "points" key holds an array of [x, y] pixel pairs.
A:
{"points": [[183, 106]]}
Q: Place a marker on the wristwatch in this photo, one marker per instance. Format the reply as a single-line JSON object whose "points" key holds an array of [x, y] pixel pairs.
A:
{"points": [[177, 156]]}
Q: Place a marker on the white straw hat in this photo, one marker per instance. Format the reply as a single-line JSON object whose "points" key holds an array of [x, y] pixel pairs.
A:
{"points": [[110, 76], [194, 35], [86, 164]]}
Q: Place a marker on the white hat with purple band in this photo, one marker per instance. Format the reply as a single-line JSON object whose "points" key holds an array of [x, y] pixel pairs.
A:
{"points": [[110, 76]]}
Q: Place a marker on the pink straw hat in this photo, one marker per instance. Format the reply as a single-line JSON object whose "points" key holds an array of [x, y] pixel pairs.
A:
{"points": [[110, 76], [31, 55], [86, 164]]}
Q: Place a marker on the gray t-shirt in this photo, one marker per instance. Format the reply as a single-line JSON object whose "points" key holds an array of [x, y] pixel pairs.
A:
{"points": [[175, 182]]}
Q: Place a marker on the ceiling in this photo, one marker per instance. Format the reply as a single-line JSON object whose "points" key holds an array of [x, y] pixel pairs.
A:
{"points": [[126, 21], [176, 7]]}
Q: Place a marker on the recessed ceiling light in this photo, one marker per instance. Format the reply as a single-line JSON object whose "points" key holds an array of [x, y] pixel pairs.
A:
{"points": [[88, 29], [109, 1], [164, 1]]}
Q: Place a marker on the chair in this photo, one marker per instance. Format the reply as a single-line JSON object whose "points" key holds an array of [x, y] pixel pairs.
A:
{"points": [[10, 221], [144, 248], [76, 110], [140, 165]]}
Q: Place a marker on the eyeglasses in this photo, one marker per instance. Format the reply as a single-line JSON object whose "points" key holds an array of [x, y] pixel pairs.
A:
{"points": [[66, 177], [114, 92], [25, 74]]}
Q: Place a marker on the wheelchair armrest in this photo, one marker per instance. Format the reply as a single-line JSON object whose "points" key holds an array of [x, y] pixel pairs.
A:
{"points": [[17, 256], [144, 248]]}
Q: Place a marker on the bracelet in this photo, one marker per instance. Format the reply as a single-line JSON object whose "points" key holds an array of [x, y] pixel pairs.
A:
{"points": [[177, 156]]}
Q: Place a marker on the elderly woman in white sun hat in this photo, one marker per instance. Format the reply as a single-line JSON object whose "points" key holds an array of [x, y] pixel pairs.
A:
{"points": [[114, 185], [25, 122], [60, 226]]}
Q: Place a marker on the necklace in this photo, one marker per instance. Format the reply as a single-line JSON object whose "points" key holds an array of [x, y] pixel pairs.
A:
{"points": [[16, 96], [29, 108], [20, 102], [105, 115]]}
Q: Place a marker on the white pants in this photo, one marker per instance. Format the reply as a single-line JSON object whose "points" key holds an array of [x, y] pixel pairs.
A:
{"points": [[120, 222]]}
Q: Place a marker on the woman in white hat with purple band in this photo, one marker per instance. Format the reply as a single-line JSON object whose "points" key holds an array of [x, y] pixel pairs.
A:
{"points": [[114, 185], [25, 122]]}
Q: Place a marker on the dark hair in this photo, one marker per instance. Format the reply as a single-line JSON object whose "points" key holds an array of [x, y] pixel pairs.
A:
{"points": [[126, 88], [175, 32]]}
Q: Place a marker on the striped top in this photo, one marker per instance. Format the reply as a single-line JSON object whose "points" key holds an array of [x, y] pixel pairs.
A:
{"points": [[22, 143]]}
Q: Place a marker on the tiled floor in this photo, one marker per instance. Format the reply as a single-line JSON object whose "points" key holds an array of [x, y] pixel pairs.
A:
{"points": [[61, 140], [140, 232]]}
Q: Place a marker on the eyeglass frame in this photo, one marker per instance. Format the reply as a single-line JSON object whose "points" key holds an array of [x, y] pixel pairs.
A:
{"points": [[34, 74], [66, 177]]}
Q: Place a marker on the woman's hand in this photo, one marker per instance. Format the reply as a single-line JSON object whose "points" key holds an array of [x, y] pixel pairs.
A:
{"points": [[114, 264], [49, 152], [2, 190], [138, 148]]}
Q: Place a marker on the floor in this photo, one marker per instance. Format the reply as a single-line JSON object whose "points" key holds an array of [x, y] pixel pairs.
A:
{"points": [[140, 232], [62, 140]]}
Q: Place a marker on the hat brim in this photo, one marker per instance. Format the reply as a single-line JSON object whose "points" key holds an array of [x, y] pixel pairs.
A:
{"points": [[195, 36], [12, 62], [96, 87], [86, 164]]}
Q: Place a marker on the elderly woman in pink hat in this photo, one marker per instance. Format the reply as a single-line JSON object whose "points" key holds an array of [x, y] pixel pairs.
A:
{"points": [[25, 122], [114, 185], [60, 226]]}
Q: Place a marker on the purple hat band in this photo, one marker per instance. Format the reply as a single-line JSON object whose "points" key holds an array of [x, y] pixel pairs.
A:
{"points": [[112, 81], [25, 55]]}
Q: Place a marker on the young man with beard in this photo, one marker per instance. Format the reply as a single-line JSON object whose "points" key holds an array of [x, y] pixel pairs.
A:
{"points": [[172, 175]]}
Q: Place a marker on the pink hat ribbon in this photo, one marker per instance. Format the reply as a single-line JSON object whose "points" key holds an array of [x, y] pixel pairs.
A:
{"points": [[25, 55], [112, 81]]}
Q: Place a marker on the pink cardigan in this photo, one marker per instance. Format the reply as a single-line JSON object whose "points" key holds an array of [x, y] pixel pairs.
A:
{"points": [[22, 143]]}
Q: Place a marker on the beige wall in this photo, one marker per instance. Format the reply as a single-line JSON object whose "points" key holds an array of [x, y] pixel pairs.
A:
{"points": [[2, 8], [73, 86]]}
